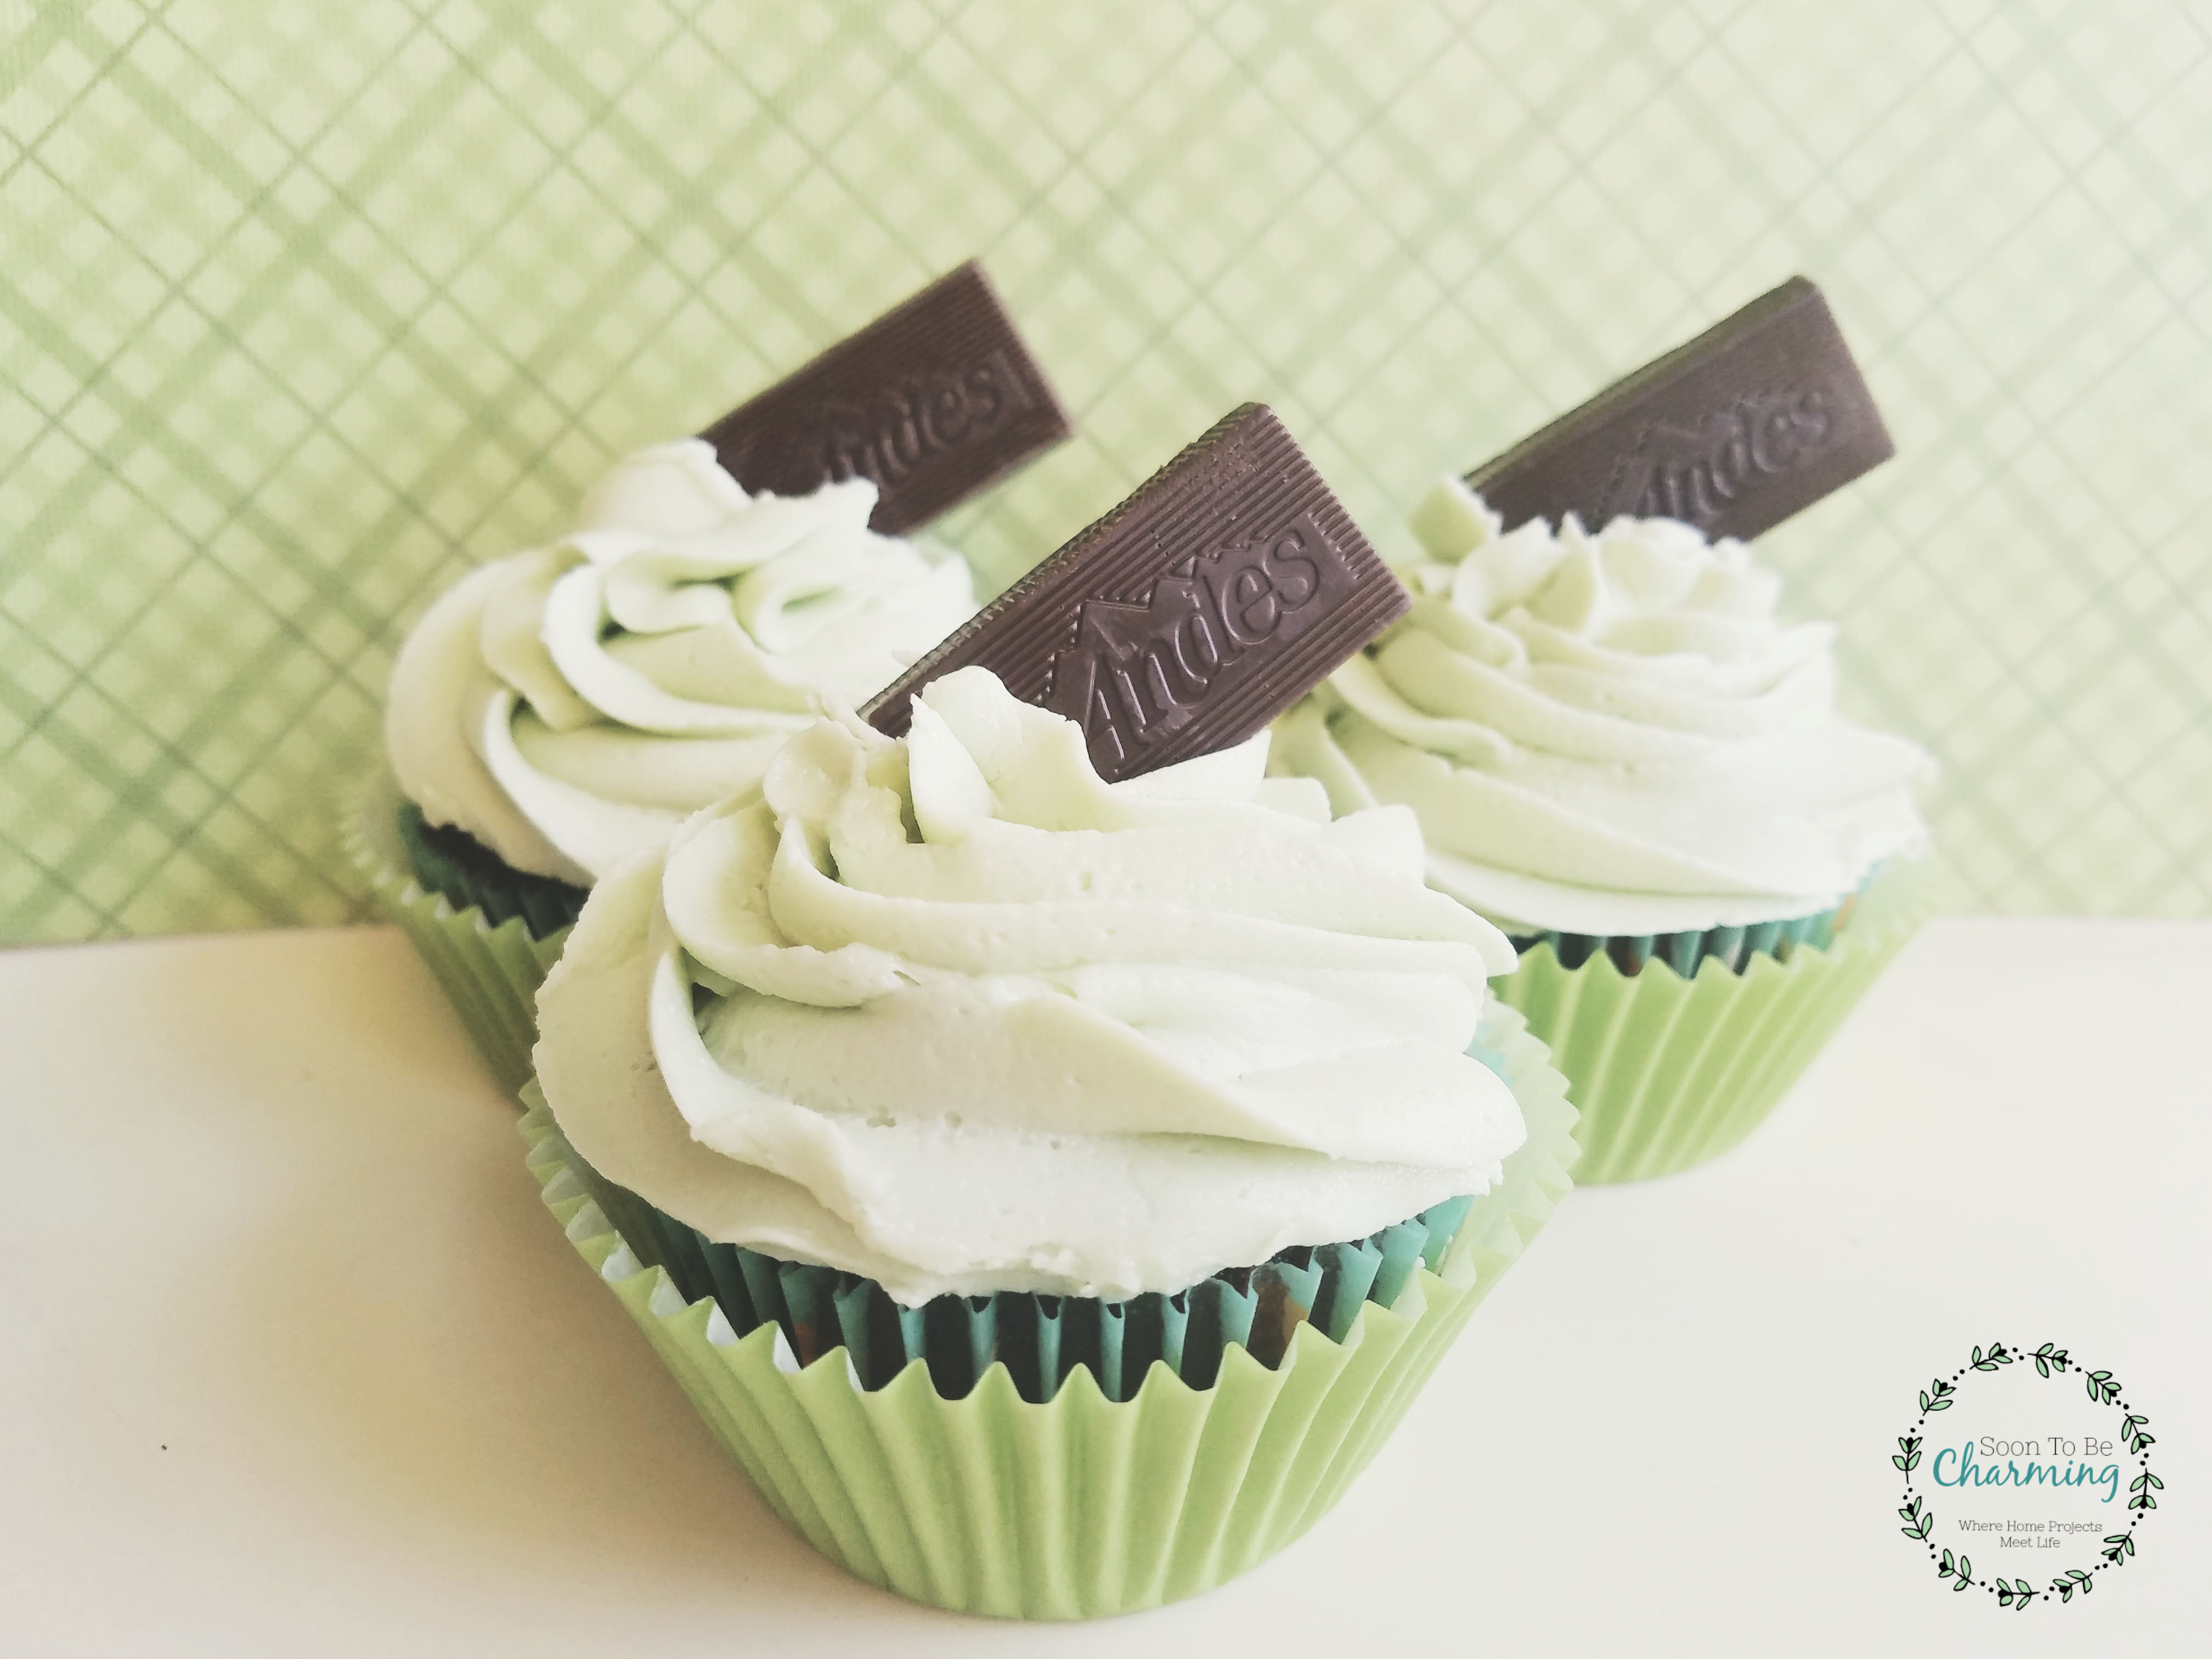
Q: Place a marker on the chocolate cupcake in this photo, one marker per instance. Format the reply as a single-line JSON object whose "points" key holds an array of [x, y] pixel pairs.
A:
{"points": [[1050, 1191]]}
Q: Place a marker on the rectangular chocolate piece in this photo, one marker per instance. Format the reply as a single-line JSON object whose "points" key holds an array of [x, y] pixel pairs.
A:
{"points": [[1214, 598], [1758, 416], [933, 400]]}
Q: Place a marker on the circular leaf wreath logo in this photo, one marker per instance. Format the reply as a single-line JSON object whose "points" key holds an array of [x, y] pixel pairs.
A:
{"points": [[2030, 1485]]}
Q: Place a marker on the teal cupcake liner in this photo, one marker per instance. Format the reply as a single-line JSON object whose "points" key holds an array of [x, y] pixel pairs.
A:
{"points": [[1734, 947], [452, 862], [1042, 1340]]}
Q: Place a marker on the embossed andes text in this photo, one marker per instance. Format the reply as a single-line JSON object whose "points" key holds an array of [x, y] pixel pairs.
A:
{"points": [[1185, 620], [1758, 417], [934, 400]]}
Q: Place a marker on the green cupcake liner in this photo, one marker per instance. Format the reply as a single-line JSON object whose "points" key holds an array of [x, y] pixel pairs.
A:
{"points": [[1670, 1070], [1079, 1506], [489, 972]]}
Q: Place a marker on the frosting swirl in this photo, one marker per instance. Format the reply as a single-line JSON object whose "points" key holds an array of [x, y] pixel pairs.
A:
{"points": [[954, 1014], [570, 705], [1609, 734]]}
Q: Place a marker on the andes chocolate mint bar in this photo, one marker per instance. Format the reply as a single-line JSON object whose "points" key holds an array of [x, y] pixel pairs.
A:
{"points": [[1191, 615], [1759, 416], [933, 400]]}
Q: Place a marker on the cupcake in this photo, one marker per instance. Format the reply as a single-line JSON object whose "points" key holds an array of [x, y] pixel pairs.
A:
{"points": [[1619, 755], [565, 708], [1050, 1191], [562, 709]]}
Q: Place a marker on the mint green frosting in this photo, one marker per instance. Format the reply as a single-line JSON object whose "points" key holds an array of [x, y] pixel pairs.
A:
{"points": [[1609, 731], [570, 705], [954, 1014]]}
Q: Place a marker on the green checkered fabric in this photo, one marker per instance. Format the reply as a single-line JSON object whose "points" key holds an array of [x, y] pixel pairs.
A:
{"points": [[304, 308]]}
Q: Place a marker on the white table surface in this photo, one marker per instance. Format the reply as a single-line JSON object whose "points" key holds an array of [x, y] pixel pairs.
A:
{"points": [[293, 1362]]}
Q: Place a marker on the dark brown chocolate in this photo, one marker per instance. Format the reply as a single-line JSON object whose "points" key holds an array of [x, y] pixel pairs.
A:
{"points": [[1214, 598], [933, 400], [1758, 416]]}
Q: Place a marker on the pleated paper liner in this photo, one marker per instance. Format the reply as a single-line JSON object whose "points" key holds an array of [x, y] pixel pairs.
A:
{"points": [[974, 1497], [1734, 947], [1040, 1340], [489, 968], [451, 861], [1668, 1069]]}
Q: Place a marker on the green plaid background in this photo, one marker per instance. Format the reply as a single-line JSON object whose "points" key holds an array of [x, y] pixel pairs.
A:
{"points": [[303, 308]]}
